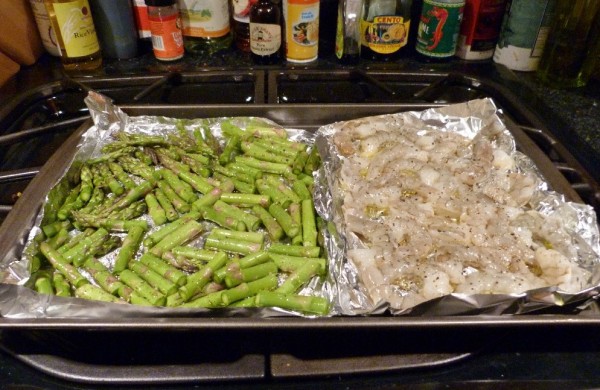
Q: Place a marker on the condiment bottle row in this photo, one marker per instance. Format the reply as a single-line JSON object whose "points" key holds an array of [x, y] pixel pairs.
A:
{"points": [[514, 33]]}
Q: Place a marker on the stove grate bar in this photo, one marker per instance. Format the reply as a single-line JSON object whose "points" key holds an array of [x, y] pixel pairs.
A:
{"points": [[33, 132]]}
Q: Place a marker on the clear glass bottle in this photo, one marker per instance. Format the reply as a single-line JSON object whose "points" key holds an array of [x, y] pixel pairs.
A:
{"points": [[384, 29], [206, 26], [75, 34], [265, 32], [439, 26], [165, 27], [347, 38]]}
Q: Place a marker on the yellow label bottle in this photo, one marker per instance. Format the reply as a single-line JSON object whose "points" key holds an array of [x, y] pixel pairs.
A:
{"points": [[301, 30], [76, 35], [384, 29]]}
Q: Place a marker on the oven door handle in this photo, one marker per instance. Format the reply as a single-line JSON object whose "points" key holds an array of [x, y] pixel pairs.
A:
{"points": [[247, 367]]}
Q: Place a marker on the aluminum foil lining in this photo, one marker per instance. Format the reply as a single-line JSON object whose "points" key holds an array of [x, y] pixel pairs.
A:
{"points": [[367, 289], [343, 286], [18, 301]]}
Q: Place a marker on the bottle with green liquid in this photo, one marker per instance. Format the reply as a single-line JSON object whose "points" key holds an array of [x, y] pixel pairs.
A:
{"points": [[206, 27]]}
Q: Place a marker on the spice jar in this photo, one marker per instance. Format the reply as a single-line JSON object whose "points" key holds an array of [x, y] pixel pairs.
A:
{"points": [[165, 28]]}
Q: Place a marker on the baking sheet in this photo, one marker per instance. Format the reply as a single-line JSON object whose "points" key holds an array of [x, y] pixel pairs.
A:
{"points": [[31, 306]]}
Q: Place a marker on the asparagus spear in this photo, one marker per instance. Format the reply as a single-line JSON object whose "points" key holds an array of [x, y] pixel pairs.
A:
{"points": [[305, 304], [180, 204], [275, 230], [183, 234], [296, 214], [131, 245], [198, 280], [231, 245], [157, 213], [251, 221], [149, 293], [60, 264], [121, 175], [309, 225], [290, 227], [233, 278], [103, 276], [43, 285], [62, 288], [163, 269], [163, 201], [299, 277], [91, 292], [167, 229], [154, 279], [181, 188], [295, 250]]}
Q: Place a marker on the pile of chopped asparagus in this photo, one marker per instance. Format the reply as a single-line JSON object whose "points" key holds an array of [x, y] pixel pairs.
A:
{"points": [[187, 221]]}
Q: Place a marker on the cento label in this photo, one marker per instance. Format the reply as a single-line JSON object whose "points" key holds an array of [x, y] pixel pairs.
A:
{"points": [[76, 28], [385, 34], [438, 28]]}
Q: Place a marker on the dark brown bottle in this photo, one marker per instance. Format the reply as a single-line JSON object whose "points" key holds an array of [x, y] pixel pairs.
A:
{"points": [[265, 32]]}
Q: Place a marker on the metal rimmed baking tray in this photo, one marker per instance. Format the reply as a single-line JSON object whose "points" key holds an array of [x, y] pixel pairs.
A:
{"points": [[307, 117], [14, 230]]}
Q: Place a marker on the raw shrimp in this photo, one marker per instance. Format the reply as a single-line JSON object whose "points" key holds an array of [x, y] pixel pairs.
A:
{"points": [[429, 213]]}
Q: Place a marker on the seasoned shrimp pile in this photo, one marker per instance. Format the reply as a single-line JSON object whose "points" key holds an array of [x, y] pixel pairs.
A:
{"points": [[428, 212]]}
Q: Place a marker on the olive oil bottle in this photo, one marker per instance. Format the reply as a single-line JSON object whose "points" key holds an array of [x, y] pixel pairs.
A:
{"points": [[384, 29], [206, 26], [75, 34]]}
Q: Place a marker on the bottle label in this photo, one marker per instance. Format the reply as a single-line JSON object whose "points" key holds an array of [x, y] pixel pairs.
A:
{"points": [[76, 28], [302, 30], [140, 13], [44, 27], [438, 28], [167, 41], [480, 29], [386, 34], [241, 10], [204, 18], [265, 39]]}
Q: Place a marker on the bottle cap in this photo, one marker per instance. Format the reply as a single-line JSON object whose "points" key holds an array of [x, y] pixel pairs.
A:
{"points": [[159, 3]]}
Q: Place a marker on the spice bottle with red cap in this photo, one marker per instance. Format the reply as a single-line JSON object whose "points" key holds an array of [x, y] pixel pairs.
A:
{"points": [[165, 28]]}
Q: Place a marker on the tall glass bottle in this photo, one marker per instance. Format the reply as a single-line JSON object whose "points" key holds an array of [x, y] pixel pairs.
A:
{"points": [[75, 34], [206, 28], [265, 32], [241, 23], [347, 38], [571, 43], [384, 29]]}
